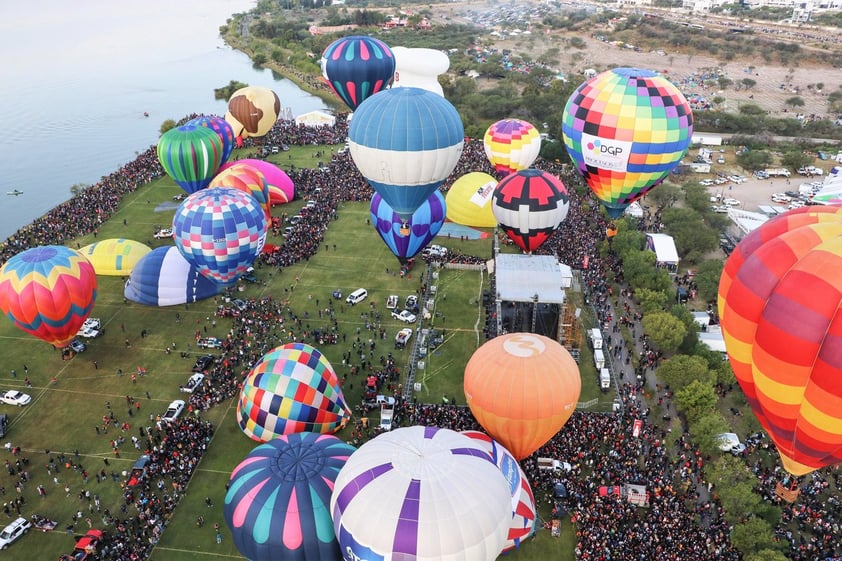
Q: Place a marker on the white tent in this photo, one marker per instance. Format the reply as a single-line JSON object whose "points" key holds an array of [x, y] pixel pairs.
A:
{"points": [[746, 220], [664, 248], [315, 119], [712, 339], [520, 278]]}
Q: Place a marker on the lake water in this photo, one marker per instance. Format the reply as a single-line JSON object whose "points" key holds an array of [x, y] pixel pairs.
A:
{"points": [[78, 76]]}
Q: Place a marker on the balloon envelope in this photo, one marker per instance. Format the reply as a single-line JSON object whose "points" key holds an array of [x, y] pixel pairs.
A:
{"points": [[511, 145], [293, 388], [357, 67], [780, 297], [530, 205], [522, 388], [420, 68], [421, 493], [252, 111], [190, 154], [163, 277], [220, 231], [406, 142], [48, 292], [281, 188], [625, 130], [247, 178], [221, 127], [469, 200], [115, 256], [407, 239], [278, 500]]}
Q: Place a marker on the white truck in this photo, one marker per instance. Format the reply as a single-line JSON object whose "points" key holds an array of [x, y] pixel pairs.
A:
{"points": [[604, 379], [778, 172], [598, 359], [595, 337]]}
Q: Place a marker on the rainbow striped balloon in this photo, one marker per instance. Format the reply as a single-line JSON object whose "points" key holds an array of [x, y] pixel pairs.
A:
{"points": [[48, 292], [780, 298], [221, 127], [293, 388], [278, 500], [246, 178], [511, 145]]}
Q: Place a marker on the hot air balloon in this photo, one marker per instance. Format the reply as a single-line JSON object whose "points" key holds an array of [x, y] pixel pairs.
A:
{"points": [[220, 231], [281, 188], [420, 68], [780, 296], [511, 145], [523, 501], [406, 142], [469, 200], [163, 277], [625, 130], [421, 493], [252, 111], [48, 292], [278, 500], [221, 127], [247, 178], [190, 154], [529, 205], [357, 67], [114, 257], [407, 239], [293, 388], [522, 388]]}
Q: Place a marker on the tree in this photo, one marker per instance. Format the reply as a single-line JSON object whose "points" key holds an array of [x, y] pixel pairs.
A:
{"points": [[705, 431], [652, 300], [681, 370], [795, 159], [77, 188], [665, 196], [753, 534], [754, 159], [167, 125], [795, 101], [748, 83], [696, 197], [765, 555], [707, 278], [664, 330], [693, 238], [696, 400]]}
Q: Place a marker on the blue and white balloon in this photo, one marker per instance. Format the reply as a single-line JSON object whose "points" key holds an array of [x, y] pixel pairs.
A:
{"points": [[163, 277]]}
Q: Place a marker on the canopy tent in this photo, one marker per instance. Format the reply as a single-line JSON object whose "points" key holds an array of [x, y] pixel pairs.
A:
{"points": [[712, 339], [315, 119], [522, 278], [664, 248], [746, 220]]}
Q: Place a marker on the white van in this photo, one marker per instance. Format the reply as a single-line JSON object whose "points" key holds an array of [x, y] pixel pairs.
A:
{"points": [[357, 296], [599, 359], [595, 336], [604, 379]]}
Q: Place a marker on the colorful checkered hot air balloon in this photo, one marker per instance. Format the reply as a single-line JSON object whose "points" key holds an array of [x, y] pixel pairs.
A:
{"points": [[221, 127], [48, 292], [511, 145], [357, 67], [529, 205], [780, 308], [406, 239], [220, 231], [626, 129], [247, 178], [191, 155], [293, 388], [278, 500]]}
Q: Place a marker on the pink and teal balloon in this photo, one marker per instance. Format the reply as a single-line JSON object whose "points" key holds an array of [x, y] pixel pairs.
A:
{"points": [[244, 177], [625, 130], [357, 67], [220, 231], [407, 239], [281, 187], [190, 154], [278, 500], [48, 292], [221, 127], [293, 388]]}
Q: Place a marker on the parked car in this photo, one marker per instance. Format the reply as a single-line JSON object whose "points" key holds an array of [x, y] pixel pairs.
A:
{"points": [[209, 343], [194, 381], [13, 531], [15, 397], [173, 412], [77, 346], [179, 197], [402, 338], [731, 202], [139, 469], [89, 333], [706, 182], [163, 234], [239, 304], [92, 323], [405, 316], [203, 363], [392, 302], [87, 546], [411, 302], [357, 296]]}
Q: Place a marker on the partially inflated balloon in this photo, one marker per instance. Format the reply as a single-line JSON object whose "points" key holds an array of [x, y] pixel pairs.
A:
{"points": [[407, 239], [281, 187], [625, 130], [247, 178], [48, 292], [163, 277], [522, 388], [252, 111], [357, 67], [221, 127], [278, 500], [469, 200], [115, 256], [530, 205], [293, 388], [780, 307], [511, 145], [190, 154], [220, 231]]}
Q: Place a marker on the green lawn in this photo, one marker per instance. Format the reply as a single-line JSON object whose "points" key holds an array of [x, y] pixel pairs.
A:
{"points": [[63, 416]]}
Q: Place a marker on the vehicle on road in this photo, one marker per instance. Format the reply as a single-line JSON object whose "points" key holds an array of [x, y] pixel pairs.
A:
{"points": [[194, 381], [179, 197], [13, 531], [163, 234], [357, 296], [731, 202], [405, 316], [15, 397], [89, 333], [173, 412], [392, 302], [139, 469], [203, 363], [87, 546], [402, 337], [209, 343]]}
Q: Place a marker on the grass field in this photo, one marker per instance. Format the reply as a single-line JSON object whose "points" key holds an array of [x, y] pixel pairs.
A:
{"points": [[63, 416]]}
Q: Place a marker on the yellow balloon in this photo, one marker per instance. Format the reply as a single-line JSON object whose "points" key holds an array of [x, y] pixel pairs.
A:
{"points": [[469, 200]]}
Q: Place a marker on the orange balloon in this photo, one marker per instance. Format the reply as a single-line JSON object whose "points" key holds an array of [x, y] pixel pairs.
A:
{"points": [[522, 388]]}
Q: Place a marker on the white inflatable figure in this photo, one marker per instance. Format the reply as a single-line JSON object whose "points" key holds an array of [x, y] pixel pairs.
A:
{"points": [[419, 68]]}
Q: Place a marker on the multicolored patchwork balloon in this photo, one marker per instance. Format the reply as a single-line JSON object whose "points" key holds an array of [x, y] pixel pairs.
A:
{"points": [[511, 145], [523, 501], [469, 200], [190, 154], [530, 205], [406, 239], [357, 67], [281, 187], [115, 257], [48, 292], [780, 308], [421, 493], [253, 111], [163, 277], [278, 500], [221, 127], [626, 129], [220, 231], [293, 388], [247, 178]]}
